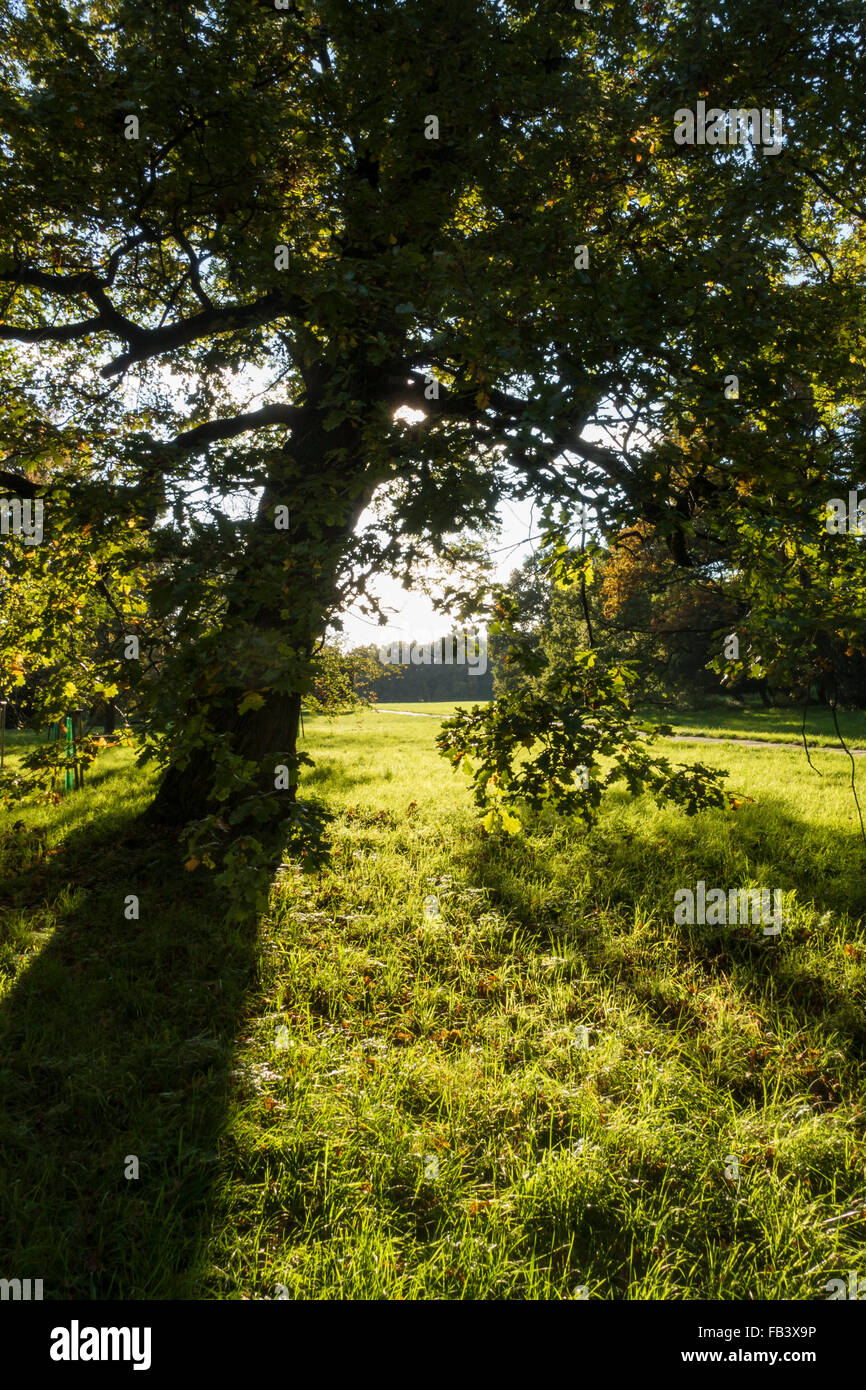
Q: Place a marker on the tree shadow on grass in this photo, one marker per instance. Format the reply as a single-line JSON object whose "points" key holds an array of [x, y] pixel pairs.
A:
{"points": [[819, 870], [791, 1042], [116, 1039]]}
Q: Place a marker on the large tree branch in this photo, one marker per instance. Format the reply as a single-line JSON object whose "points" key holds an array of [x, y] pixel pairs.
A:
{"points": [[606, 459], [142, 343], [152, 342], [238, 424], [19, 483], [503, 411], [56, 333], [86, 282]]}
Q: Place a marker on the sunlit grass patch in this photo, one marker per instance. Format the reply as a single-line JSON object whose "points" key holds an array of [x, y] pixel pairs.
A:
{"points": [[448, 1066]]}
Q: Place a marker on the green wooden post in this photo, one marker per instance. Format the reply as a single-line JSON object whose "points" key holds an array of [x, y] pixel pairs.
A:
{"points": [[79, 736], [70, 754]]}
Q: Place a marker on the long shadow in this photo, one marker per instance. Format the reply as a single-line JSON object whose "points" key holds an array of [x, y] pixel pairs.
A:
{"points": [[775, 970], [116, 1039], [788, 974]]}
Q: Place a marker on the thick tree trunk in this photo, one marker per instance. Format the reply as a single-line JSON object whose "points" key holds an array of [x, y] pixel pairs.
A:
{"points": [[183, 795], [294, 571]]}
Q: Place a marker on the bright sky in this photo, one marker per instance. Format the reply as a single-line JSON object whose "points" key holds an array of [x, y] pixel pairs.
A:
{"points": [[413, 616]]}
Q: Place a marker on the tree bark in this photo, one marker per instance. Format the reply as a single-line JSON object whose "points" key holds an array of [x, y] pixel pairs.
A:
{"points": [[325, 501], [184, 793]]}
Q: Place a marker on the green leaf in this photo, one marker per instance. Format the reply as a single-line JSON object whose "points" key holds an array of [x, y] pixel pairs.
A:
{"points": [[252, 700]]}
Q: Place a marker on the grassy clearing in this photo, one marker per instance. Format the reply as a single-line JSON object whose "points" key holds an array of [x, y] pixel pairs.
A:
{"points": [[752, 722], [775, 725], [373, 1098]]}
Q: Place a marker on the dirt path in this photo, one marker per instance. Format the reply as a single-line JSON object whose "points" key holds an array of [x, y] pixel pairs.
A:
{"points": [[683, 738], [763, 743], [412, 713]]}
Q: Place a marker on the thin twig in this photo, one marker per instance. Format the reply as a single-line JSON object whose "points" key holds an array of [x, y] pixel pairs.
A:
{"points": [[833, 704], [803, 736], [843, 1216]]}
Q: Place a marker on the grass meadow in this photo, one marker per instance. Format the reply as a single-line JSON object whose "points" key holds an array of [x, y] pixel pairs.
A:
{"points": [[370, 1095], [752, 721]]}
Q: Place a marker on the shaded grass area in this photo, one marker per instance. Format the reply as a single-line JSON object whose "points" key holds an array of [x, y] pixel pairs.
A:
{"points": [[434, 1131], [385, 1096], [116, 1039]]}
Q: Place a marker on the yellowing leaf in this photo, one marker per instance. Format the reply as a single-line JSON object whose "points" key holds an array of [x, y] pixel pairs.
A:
{"points": [[191, 864], [252, 700]]}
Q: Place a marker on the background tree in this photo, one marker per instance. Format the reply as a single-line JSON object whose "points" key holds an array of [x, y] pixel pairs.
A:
{"points": [[425, 680], [670, 621], [664, 620], [342, 681], [529, 591]]}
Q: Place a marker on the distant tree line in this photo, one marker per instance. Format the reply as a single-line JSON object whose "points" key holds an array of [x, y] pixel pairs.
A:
{"points": [[419, 681], [674, 624]]}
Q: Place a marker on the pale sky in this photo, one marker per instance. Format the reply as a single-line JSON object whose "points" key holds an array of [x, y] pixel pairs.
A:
{"points": [[414, 617]]}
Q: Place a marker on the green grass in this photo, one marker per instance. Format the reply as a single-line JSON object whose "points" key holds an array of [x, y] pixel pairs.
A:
{"points": [[362, 1100], [753, 721], [774, 725]]}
